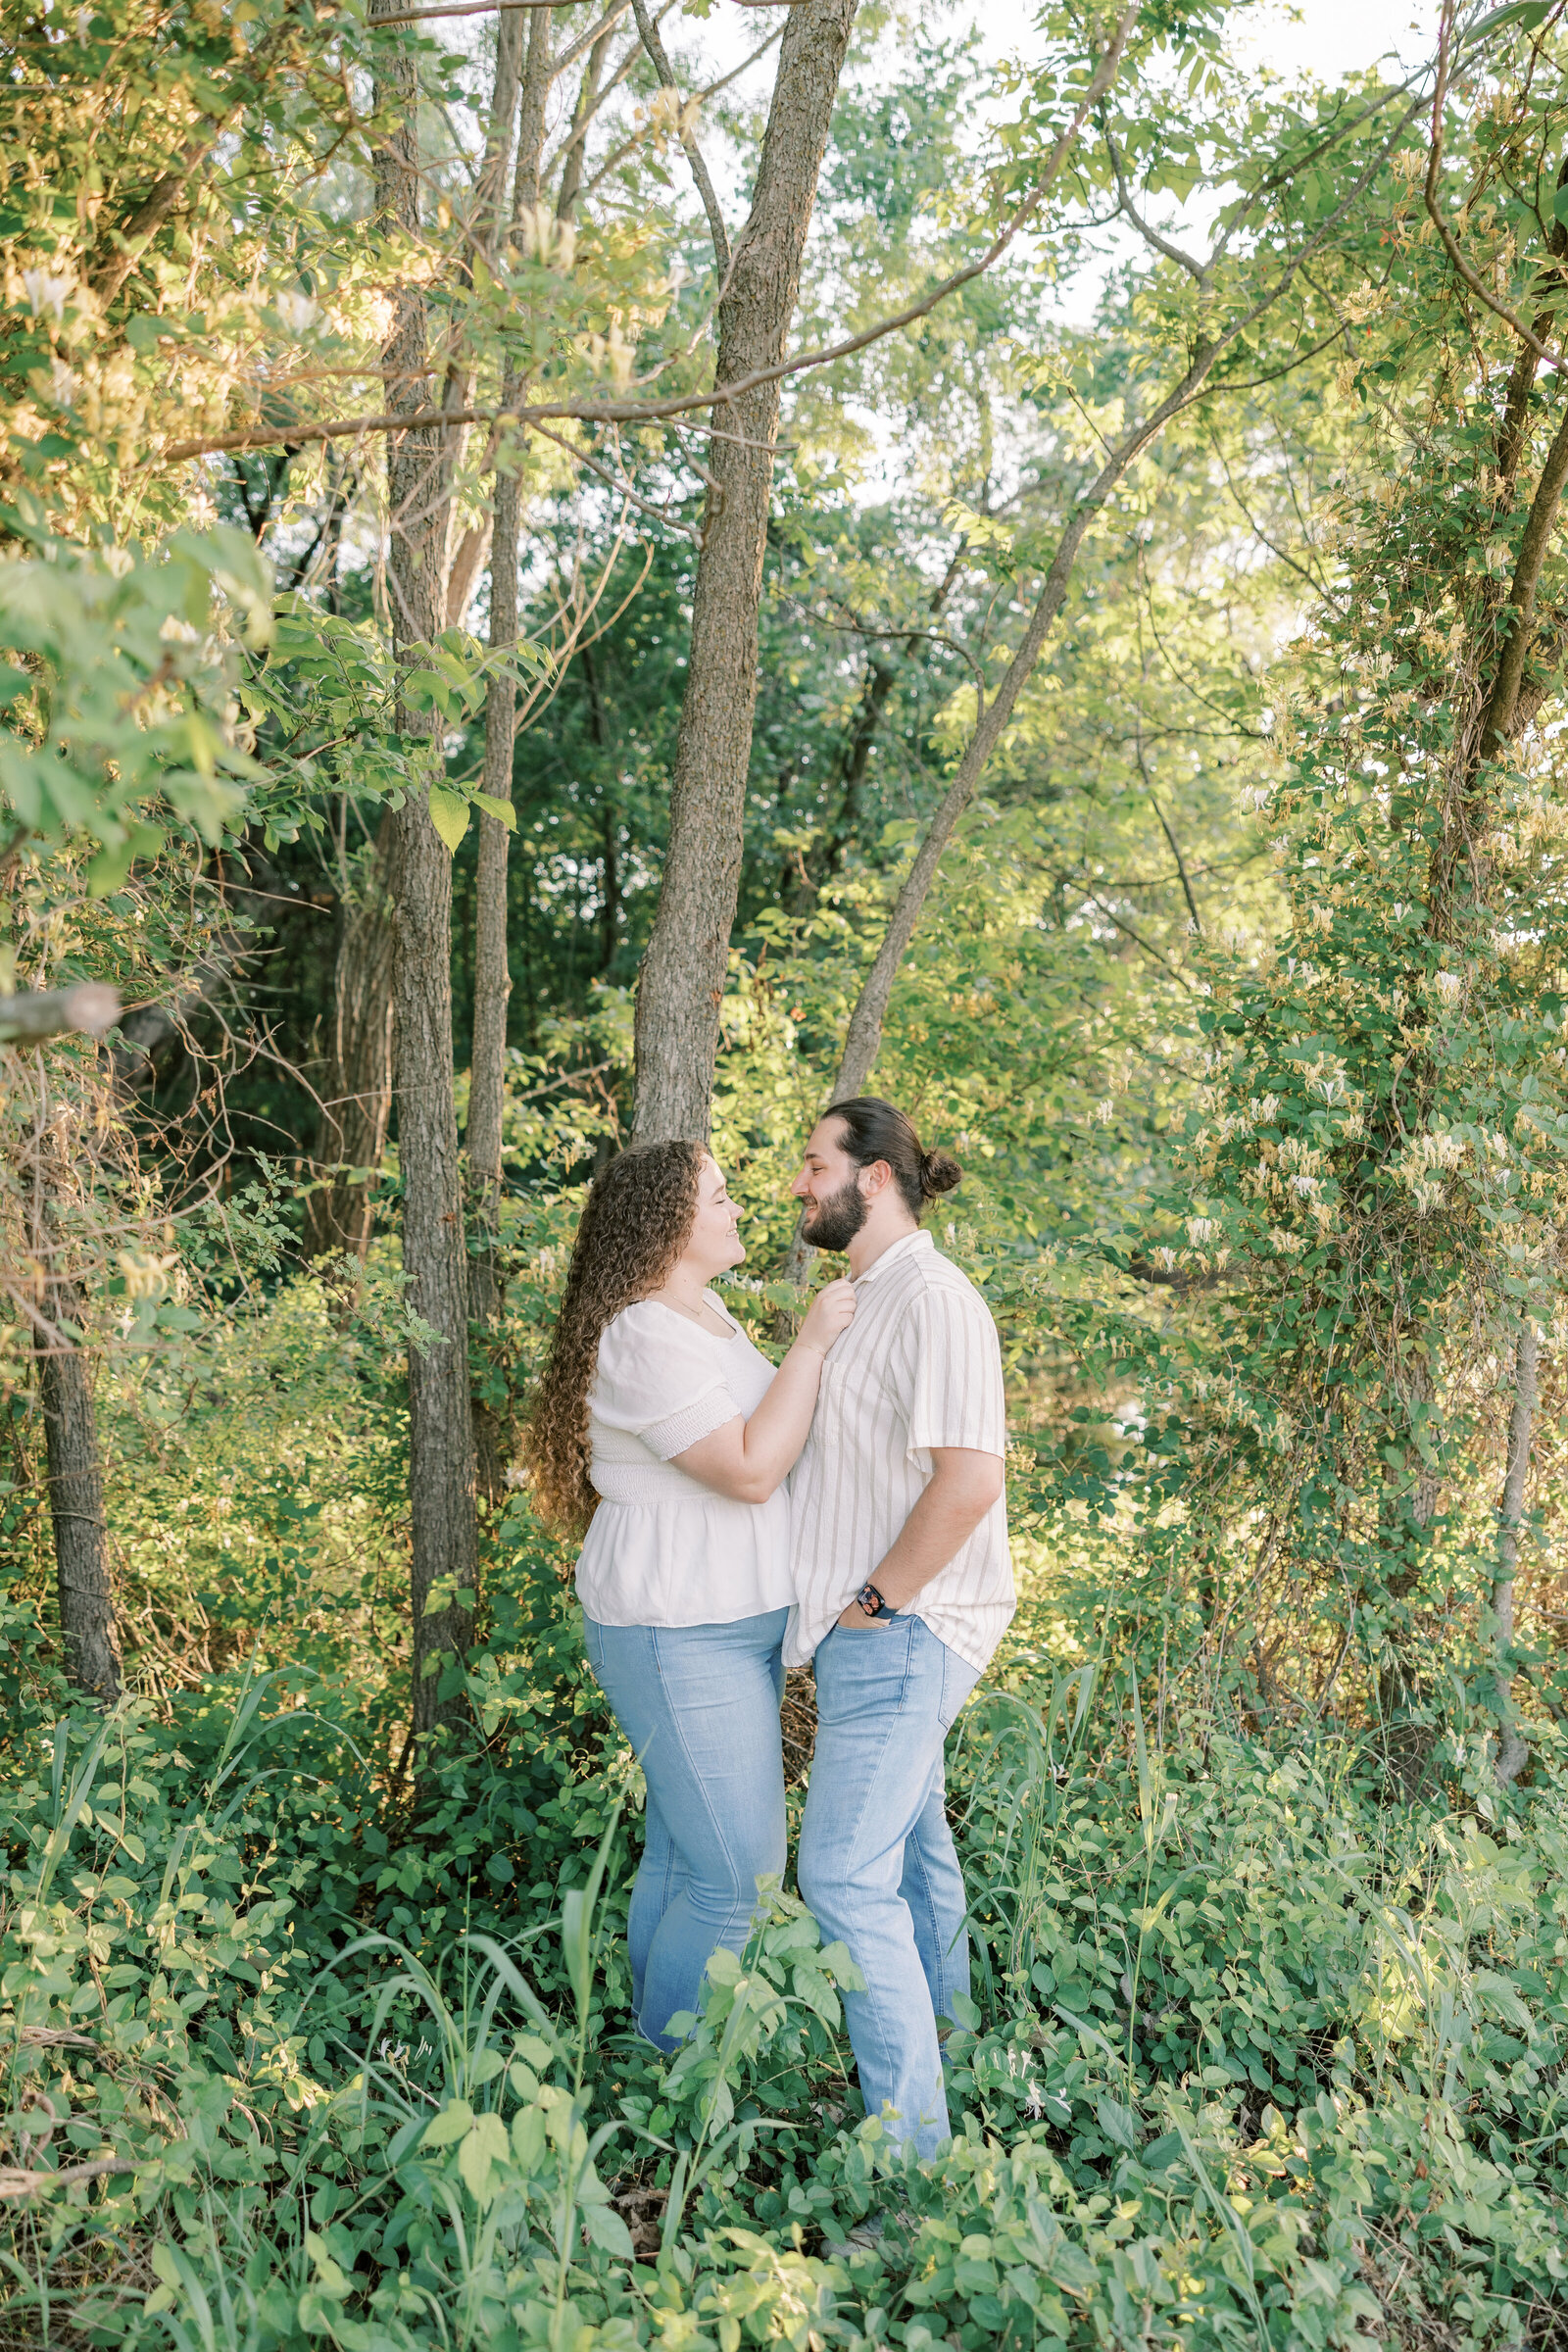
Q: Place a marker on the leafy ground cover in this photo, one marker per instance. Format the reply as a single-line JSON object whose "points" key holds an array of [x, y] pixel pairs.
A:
{"points": [[1257, 2054]]}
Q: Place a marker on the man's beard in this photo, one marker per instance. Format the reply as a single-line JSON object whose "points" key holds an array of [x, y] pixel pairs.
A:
{"points": [[833, 1223]]}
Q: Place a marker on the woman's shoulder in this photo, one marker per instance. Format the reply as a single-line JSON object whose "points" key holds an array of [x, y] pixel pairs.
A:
{"points": [[636, 1327], [648, 1328]]}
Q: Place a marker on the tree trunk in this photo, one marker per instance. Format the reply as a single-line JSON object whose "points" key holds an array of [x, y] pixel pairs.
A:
{"points": [[444, 1564], [356, 1089], [76, 1502], [608, 826], [1513, 1752], [683, 974], [863, 1037], [492, 976], [489, 218], [357, 1092], [582, 112], [70, 1435]]}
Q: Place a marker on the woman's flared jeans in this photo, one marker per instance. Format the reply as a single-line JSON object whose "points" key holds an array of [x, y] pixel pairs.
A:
{"points": [[700, 1706]]}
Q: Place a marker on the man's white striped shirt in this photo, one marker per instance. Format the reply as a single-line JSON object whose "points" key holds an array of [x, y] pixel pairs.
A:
{"points": [[921, 1366]]}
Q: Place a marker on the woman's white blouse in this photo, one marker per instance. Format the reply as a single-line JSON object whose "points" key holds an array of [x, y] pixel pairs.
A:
{"points": [[662, 1549]]}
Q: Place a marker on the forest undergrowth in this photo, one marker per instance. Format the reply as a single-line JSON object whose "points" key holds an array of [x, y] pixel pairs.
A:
{"points": [[1266, 2044], [1131, 737]]}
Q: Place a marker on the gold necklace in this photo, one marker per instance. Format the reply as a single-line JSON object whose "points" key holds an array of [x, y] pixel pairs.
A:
{"points": [[693, 1314]]}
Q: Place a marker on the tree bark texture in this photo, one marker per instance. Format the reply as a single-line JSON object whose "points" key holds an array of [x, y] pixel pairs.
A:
{"points": [[683, 974], [582, 112], [492, 977], [1513, 1752], [492, 981], [76, 1502], [356, 1091], [440, 1435], [91, 1648]]}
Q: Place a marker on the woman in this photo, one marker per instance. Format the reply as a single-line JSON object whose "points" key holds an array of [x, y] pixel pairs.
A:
{"points": [[659, 1429]]}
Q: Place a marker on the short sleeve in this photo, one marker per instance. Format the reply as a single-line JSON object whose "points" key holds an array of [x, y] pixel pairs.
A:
{"points": [[659, 1381], [954, 1373]]}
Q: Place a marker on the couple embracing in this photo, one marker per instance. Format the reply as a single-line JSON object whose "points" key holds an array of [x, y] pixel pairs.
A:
{"points": [[704, 1574]]}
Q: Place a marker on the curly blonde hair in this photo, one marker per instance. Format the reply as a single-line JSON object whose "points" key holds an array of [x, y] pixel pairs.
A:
{"points": [[634, 1226]]}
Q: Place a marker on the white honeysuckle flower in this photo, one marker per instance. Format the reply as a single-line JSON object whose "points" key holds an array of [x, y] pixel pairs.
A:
{"points": [[47, 292], [298, 310]]}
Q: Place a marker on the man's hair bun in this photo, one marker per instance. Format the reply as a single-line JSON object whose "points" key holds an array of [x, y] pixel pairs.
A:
{"points": [[938, 1173]]}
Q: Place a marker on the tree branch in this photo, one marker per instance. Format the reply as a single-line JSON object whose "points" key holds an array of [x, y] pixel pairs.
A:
{"points": [[261, 436], [1450, 243], [694, 155], [89, 1009]]}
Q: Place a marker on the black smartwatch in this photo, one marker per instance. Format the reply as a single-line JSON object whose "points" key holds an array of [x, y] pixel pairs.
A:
{"points": [[871, 1601]]}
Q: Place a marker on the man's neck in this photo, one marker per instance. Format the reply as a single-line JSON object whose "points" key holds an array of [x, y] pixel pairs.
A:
{"points": [[874, 1240]]}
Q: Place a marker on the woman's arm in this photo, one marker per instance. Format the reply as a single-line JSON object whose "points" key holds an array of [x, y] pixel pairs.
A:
{"points": [[749, 1460]]}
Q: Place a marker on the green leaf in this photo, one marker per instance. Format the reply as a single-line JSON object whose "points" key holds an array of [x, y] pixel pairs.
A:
{"points": [[451, 2124], [607, 2231], [1118, 2124], [449, 813], [427, 690], [1527, 13], [485, 2147], [502, 811], [817, 1993], [835, 1962]]}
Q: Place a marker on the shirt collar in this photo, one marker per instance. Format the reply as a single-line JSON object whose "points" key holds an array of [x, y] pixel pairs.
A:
{"points": [[905, 1247]]}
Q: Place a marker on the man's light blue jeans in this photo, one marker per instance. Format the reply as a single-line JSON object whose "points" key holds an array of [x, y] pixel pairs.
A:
{"points": [[699, 1704], [877, 1864]]}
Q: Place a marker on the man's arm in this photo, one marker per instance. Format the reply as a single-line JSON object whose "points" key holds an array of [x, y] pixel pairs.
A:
{"points": [[963, 1487]]}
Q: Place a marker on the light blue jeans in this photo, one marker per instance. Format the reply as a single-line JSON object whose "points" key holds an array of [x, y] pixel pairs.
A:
{"points": [[877, 1864], [699, 1704]]}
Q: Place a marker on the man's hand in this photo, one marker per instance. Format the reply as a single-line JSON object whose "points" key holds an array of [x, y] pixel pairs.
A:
{"points": [[963, 1487]]}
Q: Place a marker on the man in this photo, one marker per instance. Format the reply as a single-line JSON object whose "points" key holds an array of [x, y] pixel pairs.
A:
{"points": [[904, 1589]]}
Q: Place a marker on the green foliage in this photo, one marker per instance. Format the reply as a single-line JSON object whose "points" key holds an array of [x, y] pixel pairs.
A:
{"points": [[1264, 1160], [118, 694], [1256, 2055]]}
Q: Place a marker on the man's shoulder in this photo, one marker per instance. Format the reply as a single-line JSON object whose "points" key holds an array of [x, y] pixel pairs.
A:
{"points": [[927, 1275]]}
